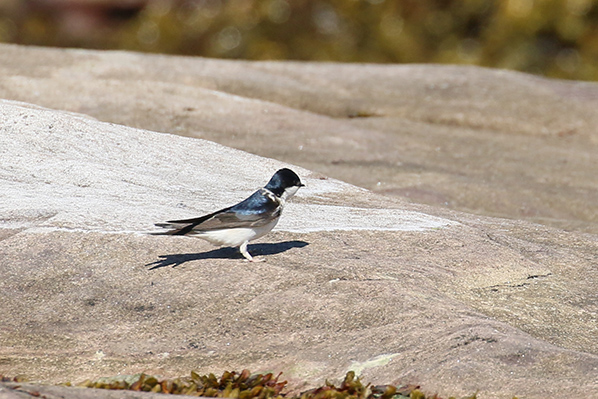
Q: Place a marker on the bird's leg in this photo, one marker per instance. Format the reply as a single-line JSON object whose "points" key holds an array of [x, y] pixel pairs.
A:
{"points": [[244, 252], [247, 255]]}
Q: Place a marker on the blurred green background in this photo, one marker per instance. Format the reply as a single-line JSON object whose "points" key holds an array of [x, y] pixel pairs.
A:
{"points": [[556, 38]]}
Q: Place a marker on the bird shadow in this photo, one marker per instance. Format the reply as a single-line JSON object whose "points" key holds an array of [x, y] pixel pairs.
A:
{"points": [[175, 260]]}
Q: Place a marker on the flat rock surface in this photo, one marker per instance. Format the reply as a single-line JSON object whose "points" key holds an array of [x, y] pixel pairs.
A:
{"points": [[479, 140], [400, 292]]}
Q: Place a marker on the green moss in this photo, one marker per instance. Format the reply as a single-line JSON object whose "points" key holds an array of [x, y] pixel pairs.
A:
{"points": [[245, 385]]}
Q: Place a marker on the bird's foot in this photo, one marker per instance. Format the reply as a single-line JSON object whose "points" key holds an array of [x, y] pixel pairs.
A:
{"points": [[254, 260], [247, 255]]}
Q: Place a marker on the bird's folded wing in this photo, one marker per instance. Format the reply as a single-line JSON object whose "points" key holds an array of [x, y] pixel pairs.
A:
{"points": [[257, 210], [230, 219]]}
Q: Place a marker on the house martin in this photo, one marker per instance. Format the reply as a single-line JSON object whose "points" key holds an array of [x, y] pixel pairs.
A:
{"points": [[246, 221]]}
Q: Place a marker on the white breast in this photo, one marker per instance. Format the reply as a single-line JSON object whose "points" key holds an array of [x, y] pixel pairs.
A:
{"points": [[237, 236]]}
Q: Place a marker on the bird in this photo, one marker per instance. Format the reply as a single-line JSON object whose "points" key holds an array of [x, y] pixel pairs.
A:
{"points": [[246, 221]]}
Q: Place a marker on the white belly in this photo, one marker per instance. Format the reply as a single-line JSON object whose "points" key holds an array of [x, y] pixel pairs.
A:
{"points": [[237, 236]]}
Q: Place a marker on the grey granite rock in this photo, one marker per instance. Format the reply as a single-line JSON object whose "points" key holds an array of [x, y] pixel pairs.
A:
{"points": [[402, 293], [483, 141]]}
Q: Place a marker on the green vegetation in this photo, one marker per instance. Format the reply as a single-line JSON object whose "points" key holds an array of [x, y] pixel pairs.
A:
{"points": [[244, 385], [557, 38]]}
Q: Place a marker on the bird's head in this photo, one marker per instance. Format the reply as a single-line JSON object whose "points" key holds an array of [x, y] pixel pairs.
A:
{"points": [[284, 184]]}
